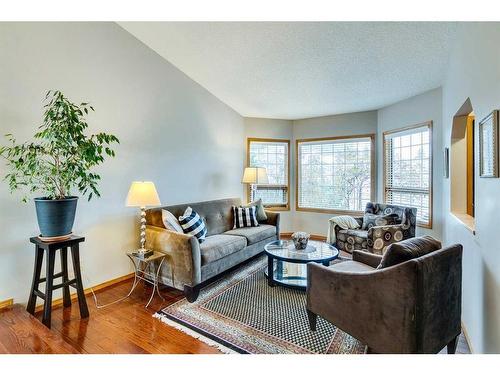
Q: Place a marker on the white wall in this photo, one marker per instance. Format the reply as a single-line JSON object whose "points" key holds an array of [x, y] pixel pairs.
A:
{"points": [[474, 72], [274, 129], [412, 111], [172, 131], [327, 126]]}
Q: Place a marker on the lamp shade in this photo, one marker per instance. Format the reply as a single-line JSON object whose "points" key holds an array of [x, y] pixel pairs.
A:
{"points": [[142, 194], [255, 175]]}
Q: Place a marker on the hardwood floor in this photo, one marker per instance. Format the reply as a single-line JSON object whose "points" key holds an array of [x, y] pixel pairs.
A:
{"points": [[125, 327]]}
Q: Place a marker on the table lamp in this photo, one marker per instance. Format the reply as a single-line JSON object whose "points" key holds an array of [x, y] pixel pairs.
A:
{"points": [[142, 194], [254, 176]]}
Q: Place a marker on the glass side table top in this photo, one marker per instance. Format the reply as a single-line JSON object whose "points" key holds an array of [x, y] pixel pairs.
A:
{"points": [[155, 256], [316, 251]]}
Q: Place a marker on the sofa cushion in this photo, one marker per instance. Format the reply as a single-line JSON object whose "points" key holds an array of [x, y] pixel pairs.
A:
{"points": [[351, 266], [220, 245], [412, 248], [254, 234]]}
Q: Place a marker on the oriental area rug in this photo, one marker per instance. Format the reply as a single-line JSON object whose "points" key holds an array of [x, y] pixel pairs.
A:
{"points": [[240, 313]]}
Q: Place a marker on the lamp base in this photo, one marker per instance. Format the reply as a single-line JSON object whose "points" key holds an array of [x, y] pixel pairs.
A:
{"points": [[143, 253]]}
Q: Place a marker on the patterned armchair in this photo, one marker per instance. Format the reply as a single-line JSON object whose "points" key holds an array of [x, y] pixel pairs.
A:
{"points": [[377, 238]]}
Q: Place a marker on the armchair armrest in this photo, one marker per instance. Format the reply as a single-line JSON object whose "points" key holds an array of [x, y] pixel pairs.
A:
{"points": [[273, 218], [367, 305], [359, 220], [372, 260], [183, 254], [380, 237]]}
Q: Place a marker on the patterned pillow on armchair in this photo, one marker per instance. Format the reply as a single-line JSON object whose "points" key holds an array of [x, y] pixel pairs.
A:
{"points": [[406, 215]]}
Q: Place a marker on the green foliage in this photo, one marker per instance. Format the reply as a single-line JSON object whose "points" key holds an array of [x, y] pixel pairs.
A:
{"points": [[62, 157]]}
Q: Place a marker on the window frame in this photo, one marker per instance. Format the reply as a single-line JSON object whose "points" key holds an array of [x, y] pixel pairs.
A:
{"points": [[429, 125], [373, 173], [275, 140]]}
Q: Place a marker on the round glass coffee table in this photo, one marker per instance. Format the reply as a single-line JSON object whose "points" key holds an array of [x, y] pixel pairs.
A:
{"points": [[288, 267]]}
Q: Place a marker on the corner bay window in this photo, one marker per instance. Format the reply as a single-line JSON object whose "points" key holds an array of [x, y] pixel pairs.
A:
{"points": [[272, 154], [408, 170], [335, 174]]}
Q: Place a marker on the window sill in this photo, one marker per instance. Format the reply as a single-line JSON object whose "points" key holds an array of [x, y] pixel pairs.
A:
{"points": [[467, 221], [287, 208], [425, 226]]}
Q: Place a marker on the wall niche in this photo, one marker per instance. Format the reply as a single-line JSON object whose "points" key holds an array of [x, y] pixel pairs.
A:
{"points": [[462, 165]]}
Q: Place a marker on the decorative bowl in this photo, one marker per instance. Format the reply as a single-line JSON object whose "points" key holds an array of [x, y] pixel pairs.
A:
{"points": [[300, 240]]}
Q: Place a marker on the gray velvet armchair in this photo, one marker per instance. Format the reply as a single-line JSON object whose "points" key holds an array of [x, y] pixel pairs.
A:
{"points": [[407, 301]]}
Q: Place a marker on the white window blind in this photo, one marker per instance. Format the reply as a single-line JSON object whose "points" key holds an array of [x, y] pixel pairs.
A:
{"points": [[272, 155], [487, 139], [408, 170], [334, 175]]}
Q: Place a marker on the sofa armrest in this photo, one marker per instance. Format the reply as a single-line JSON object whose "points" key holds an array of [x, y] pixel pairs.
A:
{"points": [[183, 253], [380, 237], [376, 307], [273, 218], [372, 260]]}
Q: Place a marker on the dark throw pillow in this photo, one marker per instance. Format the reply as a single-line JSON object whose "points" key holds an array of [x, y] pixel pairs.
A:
{"points": [[411, 248], [193, 224], [245, 217], [261, 213], [372, 220]]}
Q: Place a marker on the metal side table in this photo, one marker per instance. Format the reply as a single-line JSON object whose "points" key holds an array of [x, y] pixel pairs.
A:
{"points": [[142, 272]]}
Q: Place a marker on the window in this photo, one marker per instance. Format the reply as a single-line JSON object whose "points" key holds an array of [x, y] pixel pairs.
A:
{"points": [[272, 154], [335, 174], [408, 170]]}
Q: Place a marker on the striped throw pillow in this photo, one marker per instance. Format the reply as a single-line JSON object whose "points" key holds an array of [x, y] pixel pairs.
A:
{"points": [[245, 217], [193, 224]]}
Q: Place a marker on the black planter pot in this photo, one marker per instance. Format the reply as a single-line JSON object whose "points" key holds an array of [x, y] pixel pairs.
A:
{"points": [[55, 216]]}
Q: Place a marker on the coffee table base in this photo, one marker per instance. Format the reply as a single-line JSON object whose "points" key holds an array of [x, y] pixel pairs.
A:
{"points": [[287, 274]]}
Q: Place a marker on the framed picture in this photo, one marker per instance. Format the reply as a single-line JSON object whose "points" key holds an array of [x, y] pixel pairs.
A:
{"points": [[488, 145], [446, 160]]}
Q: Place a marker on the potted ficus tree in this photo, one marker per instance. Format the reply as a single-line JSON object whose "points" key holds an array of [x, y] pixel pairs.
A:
{"points": [[59, 162]]}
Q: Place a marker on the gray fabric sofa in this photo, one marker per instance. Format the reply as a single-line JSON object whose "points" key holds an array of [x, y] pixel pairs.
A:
{"points": [[190, 263], [411, 306]]}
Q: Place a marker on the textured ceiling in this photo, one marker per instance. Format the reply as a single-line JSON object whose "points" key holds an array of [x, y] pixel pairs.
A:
{"points": [[296, 70]]}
